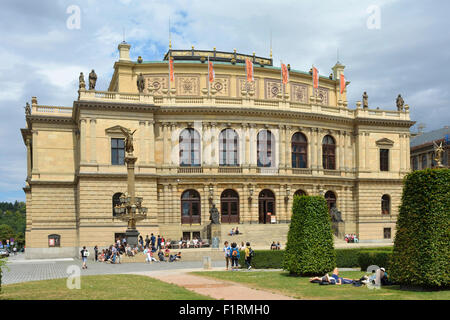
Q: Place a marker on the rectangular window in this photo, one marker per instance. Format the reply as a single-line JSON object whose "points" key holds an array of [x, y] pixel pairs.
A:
{"points": [[415, 164], [424, 161], [117, 151], [387, 233], [384, 159]]}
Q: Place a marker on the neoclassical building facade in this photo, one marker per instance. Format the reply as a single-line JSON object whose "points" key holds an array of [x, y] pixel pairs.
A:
{"points": [[246, 147]]}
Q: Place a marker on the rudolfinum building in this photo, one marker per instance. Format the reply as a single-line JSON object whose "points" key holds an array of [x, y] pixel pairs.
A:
{"points": [[246, 143]]}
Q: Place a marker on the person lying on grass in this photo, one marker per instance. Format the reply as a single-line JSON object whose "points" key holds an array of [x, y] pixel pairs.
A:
{"points": [[333, 279]]}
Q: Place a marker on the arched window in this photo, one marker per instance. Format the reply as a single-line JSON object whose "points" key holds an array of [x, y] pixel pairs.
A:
{"points": [[228, 147], [330, 197], [189, 147], [300, 193], [190, 207], [299, 150], [229, 206], [328, 153], [266, 205], [385, 204], [115, 201], [265, 146]]}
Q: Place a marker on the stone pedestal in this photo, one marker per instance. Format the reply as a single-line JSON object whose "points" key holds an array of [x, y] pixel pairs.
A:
{"points": [[132, 237], [214, 233], [338, 229]]}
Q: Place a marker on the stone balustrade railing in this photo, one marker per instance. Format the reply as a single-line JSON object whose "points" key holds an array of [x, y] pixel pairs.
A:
{"points": [[169, 100]]}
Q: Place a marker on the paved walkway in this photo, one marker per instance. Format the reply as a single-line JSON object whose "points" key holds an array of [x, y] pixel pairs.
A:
{"points": [[215, 288]]}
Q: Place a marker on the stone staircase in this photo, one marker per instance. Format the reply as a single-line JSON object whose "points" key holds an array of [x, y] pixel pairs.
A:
{"points": [[260, 236]]}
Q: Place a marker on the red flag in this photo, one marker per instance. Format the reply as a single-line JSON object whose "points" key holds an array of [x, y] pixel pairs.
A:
{"points": [[315, 78], [285, 73], [249, 68], [342, 83], [171, 69], [211, 71]]}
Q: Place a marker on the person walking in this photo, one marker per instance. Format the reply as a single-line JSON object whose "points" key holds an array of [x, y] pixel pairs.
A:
{"points": [[226, 250], [152, 240], [159, 242], [84, 255], [248, 255]]}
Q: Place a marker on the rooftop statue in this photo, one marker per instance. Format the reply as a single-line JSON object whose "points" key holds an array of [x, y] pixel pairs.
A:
{"points": [[92, 80], [27, 109], [141, 83], [365, 100], [82, 83], [128, 139], [214, 215], [400, 103]]}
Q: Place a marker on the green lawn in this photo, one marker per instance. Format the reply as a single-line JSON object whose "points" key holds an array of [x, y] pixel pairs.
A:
{"points": [[301, 288], [104, 287]]}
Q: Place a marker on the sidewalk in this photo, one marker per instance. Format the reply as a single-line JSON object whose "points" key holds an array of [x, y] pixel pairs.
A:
{"points": [[217, 289]]}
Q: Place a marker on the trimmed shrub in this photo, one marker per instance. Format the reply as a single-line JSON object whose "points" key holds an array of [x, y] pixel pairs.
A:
{"points": [[381, 259], [421, 255], [309, 248], [264, 259]]}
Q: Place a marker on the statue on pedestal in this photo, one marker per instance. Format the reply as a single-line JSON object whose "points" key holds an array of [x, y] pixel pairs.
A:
{"points": [[27, 109], [336, 215], [128, 139], [439, 151], [92, 80], [141, 83], [365, 100], [81, 80], [214, 215], [400, 103]]}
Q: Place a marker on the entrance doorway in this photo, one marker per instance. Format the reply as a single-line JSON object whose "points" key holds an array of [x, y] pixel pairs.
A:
{"points": [[229, 206], [266, 206]]}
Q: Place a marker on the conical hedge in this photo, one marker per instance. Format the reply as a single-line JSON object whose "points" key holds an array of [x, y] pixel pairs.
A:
{"points": [[309, 248], [421, 255]]}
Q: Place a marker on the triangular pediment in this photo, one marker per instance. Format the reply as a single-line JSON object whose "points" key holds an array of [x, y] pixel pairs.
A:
{"points": [[385, 142], [115, 130]]}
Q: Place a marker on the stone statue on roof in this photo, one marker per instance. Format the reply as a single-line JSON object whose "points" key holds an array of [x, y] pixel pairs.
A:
{"points": [[365, 100], [81, 80], [141, 83], [27, 109], [400, 103], [92, 80]]}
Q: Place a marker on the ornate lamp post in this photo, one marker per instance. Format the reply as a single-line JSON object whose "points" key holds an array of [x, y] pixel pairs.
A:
{"points": [[130, 208]]}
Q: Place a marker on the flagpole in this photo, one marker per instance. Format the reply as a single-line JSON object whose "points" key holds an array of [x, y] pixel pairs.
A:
{"points": [[209, 82]]}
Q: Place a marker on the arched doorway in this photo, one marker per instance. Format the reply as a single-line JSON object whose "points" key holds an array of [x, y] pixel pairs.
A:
{"points": [[300, 193], [229, 206], [190, 207], [266, 206]]}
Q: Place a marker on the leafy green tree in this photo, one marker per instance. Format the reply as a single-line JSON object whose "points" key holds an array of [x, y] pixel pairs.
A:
{"points": [[421, 255], [6, 233], [309, 248]]}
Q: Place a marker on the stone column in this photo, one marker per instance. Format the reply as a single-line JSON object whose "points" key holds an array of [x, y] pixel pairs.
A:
{"points": [[288, 135], [362, 151], [206, 156], [247, 141], [345, 153], [282, 146], [35, 152], [93, 141], [142, 153], [401, 152], [354, 139], [165, 143], [214, 151], [311, 154], [173, 146], [338, 150], [83, 157], [319, 149], [151, 142], [408, 152], [367, 143], [28, 144], [166, 197], [342, 152]]}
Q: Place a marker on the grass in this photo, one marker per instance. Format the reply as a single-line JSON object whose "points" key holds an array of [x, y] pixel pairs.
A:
{"points": [[300, 287], [104, 287]]}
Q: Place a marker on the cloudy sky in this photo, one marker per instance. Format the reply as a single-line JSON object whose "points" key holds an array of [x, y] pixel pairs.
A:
{"points": [[387, 46]]}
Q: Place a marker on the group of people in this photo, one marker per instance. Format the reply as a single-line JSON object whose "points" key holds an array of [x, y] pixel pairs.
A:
{"points": [[232, 255], [275, 246], [380, 277], [350, 238], [165, 256], [196, 243], [234, 231]]}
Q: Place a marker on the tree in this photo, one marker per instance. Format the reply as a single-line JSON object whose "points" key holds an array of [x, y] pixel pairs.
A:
{"points": [[6, 233], [309, 248], [421, 255]]}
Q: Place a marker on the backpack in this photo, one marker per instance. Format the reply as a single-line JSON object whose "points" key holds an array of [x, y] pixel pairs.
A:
{"points": [[234, 253], [252, 253], [86, 253]]}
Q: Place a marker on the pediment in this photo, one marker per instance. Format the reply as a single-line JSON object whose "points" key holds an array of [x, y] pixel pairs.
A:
{"points": [[115, 130], [385, 142]]}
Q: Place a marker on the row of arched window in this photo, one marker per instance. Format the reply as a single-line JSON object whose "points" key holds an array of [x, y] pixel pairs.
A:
{"points": [[229, 149]]}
